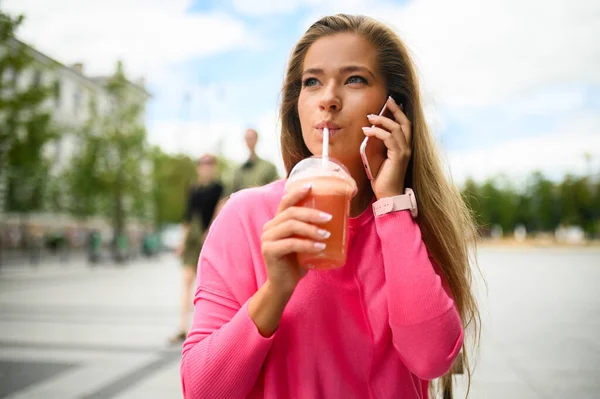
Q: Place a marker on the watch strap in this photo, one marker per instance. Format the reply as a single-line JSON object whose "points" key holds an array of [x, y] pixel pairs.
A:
{"points": [[396, 203]]}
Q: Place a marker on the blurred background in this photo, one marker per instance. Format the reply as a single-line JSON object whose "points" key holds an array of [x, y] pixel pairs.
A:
{"points": [[106, 106]]}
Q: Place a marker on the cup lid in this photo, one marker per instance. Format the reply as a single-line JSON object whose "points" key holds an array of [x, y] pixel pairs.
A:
{"points": [[315, 167]]}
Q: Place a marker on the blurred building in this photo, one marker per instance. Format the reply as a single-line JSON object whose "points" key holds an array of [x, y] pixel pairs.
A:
{"points": [[75, 94], [76, 97]]}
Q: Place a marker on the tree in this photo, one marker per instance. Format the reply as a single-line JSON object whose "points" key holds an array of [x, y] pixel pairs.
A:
{"points": [[596, 208], [27, 167], [122, 141], [544, 203], [85, 185], [172, 176], [472, 197], [577, 207], [500, 203], [10, 61], [540, 207], [523, 214], [27, 127]]}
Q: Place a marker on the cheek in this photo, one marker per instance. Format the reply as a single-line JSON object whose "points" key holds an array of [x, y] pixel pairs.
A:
{"points": [[303, 110], [304, 115], [369, 104]]}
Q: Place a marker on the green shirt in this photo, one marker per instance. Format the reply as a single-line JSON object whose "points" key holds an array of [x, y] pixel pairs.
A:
{"points": [[253, 173]]}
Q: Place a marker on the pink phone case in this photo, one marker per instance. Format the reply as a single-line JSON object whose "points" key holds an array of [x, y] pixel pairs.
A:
{"points": [[363, 150]]}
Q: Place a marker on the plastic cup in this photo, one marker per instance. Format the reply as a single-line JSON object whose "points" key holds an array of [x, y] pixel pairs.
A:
{"points": [[331, 192]]}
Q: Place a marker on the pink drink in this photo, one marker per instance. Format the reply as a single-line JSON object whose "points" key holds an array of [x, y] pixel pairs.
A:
{"points": [[332, 190]]}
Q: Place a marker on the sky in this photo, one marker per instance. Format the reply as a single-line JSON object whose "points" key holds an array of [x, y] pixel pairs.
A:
{"points": [[509, 86]]}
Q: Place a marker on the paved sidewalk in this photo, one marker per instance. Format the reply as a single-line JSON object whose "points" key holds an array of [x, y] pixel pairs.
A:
{"points": [[541, 323], [82, 332]]}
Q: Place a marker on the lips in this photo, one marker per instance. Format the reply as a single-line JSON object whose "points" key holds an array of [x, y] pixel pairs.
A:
{"points": [[328, 125], [333, 128]]}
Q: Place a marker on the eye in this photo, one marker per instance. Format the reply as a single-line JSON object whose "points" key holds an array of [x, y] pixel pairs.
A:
{"points": [[308, 82], [356, 80]]}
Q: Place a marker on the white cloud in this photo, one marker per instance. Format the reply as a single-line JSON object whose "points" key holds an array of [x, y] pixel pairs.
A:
{"points": [[471, 52], [265, 7], [524, 56], [474, 53], [550, 102], [556, 153], [195, 138], [146, 35]]}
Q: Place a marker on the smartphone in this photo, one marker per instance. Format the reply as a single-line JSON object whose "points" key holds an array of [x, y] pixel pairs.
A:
{"points": [[373, 151]]}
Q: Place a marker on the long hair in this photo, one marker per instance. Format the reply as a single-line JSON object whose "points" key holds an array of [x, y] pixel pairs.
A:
{"points": [[446, 223]]}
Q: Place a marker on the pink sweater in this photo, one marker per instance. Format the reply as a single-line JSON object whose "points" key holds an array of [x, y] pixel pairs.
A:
{"points": [[382, 326]]}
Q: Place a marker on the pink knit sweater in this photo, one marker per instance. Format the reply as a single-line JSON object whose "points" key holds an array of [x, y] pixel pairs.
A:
{"points": [[382, 326]]}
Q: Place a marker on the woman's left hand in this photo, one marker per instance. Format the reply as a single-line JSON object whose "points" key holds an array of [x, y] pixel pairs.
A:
{"points": [[396, 134]]}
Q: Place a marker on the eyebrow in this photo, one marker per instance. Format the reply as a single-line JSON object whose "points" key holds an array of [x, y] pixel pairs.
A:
{"points": [[344, 70]]}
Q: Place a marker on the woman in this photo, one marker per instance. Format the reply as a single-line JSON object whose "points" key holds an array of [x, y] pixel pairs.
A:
{"points": [[201, 203], [392, 318]]}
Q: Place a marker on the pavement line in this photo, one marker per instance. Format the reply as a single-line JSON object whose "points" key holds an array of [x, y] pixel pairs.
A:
{"points": [[86, 321], [125, 382], [89, 347]]}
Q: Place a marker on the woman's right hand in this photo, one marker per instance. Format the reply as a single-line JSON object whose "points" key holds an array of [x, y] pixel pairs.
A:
{"points": [[293, 229]]}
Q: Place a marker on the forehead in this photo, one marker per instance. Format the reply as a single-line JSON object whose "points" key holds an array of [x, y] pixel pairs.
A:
{"points": [[251, 134], [206, 162], [340, 50]]}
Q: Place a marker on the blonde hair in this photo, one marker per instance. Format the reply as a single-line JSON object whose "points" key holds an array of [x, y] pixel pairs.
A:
{"points": [[446, 223]]}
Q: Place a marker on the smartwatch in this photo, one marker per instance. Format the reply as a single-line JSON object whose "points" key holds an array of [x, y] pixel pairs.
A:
{"points": [[397, 203]]}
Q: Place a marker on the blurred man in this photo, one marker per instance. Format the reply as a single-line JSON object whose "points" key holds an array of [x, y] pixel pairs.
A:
{"points": [[255, 171]]}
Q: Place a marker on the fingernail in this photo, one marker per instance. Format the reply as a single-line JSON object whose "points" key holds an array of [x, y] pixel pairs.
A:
{"points": [[371, 116], [307, 186], [324, 233], [366, 129], [391, 98], [325, 216], [320, 245]]}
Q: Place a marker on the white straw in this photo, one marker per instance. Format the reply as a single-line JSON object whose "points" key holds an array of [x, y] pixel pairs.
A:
{"points": [[325, 155]]}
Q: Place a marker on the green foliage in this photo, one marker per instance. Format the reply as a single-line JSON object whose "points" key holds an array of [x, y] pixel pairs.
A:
{"points": [[577, 205], [107, 175], [172, 176], [541, 206], [27, 128], [83, 180]]}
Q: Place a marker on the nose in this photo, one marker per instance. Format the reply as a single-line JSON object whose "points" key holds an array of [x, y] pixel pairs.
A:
{"points": [[330, 101]]}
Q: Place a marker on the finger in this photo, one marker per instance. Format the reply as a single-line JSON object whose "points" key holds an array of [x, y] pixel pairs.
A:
{"points": [[293, 197], [401, 118], [281, 248], [303, 214], [391, 126], [383, 121], [388, 139], [292, 227]]}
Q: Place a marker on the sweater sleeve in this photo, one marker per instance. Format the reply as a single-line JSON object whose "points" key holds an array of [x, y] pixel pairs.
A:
{"points": [[426, 327], [224, 352]]}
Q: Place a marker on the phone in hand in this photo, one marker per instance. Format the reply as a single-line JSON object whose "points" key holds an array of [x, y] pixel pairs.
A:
{"points": [[373, 151]]}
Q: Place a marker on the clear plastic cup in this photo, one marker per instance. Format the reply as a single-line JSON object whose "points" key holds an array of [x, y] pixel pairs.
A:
{"points": [[331, 192]]}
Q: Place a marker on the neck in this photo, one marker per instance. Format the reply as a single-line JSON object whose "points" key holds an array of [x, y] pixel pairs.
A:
{"points": [[204, 182], [253, 156], [364, 195]]}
